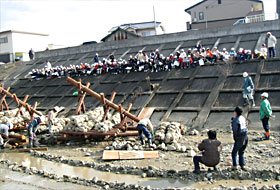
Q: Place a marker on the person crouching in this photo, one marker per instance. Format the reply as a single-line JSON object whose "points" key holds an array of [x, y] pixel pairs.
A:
{"points": [[211, 148], [145, 126], [32, 127]]}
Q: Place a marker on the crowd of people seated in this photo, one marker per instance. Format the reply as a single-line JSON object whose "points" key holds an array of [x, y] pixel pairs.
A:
{"points": [[153, 61]]}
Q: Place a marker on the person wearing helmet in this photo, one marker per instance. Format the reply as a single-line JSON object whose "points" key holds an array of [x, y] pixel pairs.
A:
{"points": [[4, 133], [51, 117], [145, 126], [248, 89], [31, 130], [265, 113]]}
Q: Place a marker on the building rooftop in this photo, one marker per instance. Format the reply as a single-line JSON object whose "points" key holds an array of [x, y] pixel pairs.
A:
{"points": [[23, 32]]}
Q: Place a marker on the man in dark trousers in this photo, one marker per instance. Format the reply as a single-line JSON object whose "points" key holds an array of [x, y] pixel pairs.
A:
{"points": [[240, 130], [32, 127], [265, 114], [31, 54], [211, 148], [4, 133], [145, 126]]}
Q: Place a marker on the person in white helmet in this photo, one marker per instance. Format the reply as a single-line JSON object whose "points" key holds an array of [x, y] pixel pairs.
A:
{"points": [[265, 114], [248, 89], [51, 116]]}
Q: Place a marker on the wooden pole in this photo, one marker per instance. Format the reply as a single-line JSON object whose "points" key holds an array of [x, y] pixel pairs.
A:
{"points": [[19, 109], [3, 101], [81, 104], [108, 107], [98, 97]]}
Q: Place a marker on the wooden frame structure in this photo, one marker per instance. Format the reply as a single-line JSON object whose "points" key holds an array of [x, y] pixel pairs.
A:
{"points": [[20, 103], [105, 102]]}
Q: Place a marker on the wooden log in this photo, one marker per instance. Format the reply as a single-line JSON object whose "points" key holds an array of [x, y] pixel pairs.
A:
{"points": [[98, 97], [18, 128], [131, 128], [15, 141], [20, 137], [81, 104], [19, 101], [127, 134], [105, 116], [96, 134], [3, 101], [20, 107]]}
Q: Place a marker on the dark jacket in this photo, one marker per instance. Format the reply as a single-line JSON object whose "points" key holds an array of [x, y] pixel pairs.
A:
{"points": [[240, 130], [211, 154]]}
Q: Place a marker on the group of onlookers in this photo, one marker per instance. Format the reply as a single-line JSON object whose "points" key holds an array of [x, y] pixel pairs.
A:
{"points": [[155, 61]]}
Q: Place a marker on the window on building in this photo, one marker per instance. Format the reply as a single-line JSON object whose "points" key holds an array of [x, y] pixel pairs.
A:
{"points": [[146, 33], [201, 15], [219, 1], [4, 40], [194, 15]]}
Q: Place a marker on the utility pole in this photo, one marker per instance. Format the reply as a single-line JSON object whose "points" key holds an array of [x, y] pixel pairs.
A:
{"points": [[154, 20], [278, 8]]}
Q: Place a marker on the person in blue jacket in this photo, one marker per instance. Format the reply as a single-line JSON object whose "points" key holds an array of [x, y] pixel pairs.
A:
{"points": [[31, 129], [240, 131], [248, 90]]}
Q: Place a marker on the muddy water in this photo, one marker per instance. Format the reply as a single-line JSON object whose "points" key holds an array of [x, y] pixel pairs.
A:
{"points": [[61, 169], [10, 180]]}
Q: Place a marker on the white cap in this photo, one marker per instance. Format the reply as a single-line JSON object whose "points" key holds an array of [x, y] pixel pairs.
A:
{"points": [[224, 49], [56, 108], [264, 94], [232, 49], [245, 74], [182, 50]]}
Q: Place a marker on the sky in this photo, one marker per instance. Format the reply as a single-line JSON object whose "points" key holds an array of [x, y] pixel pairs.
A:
{"points": [[72, 22]]}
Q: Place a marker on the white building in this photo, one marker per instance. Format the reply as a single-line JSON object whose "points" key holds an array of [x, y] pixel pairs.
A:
{"points": [[15, 45], [134, 30]]}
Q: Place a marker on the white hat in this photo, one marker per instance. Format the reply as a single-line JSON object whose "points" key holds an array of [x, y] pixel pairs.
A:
{"points": [[56, 108], [245, 74], [268, 33], [232, 49], [264, 94], [224, 49], [182, 50]]}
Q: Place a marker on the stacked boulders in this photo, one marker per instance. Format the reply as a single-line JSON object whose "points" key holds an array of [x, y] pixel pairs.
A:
{"points": [[167, 136], [91, 121]]}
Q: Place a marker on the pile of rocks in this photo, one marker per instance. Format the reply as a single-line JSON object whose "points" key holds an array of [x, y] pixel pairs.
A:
{"points": [[91, 121], [10, 116], [167, 136], [125, 145]]}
